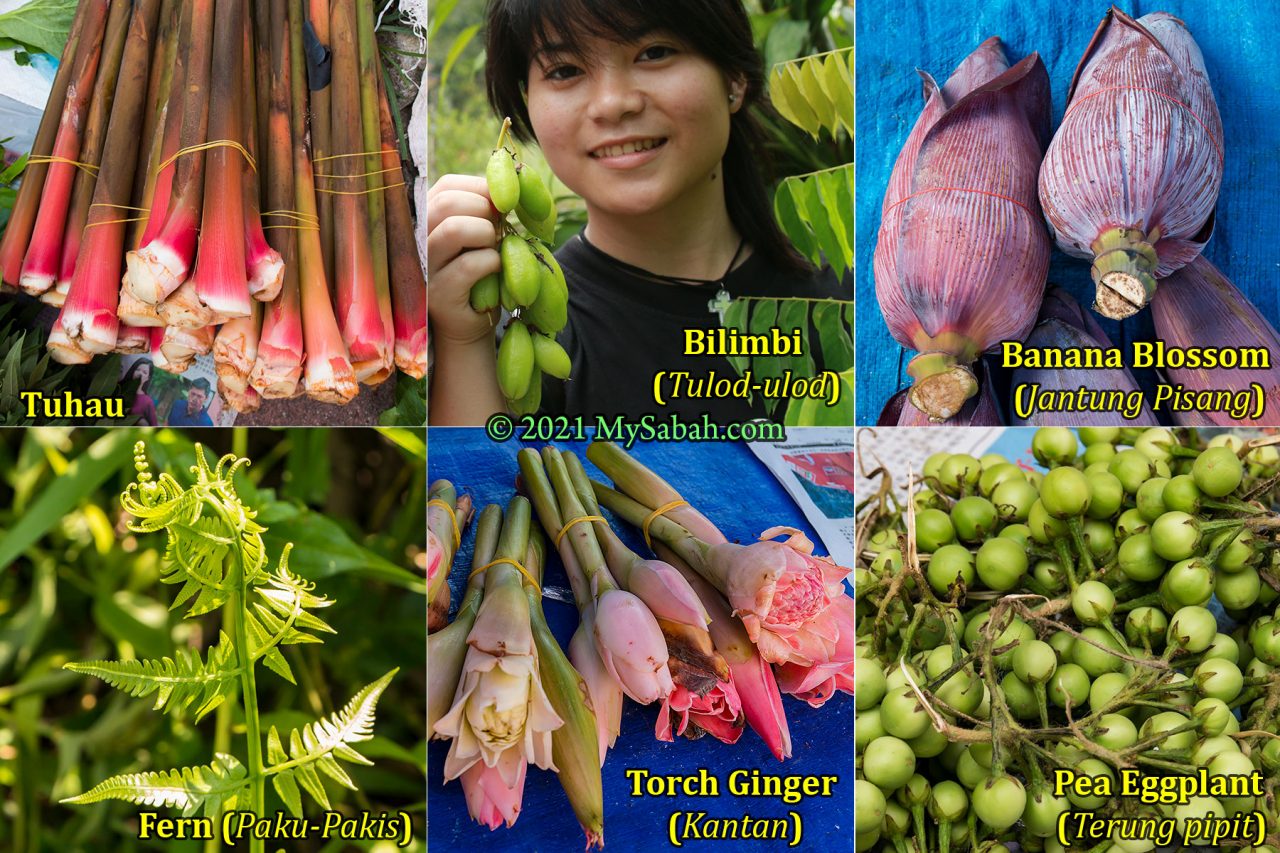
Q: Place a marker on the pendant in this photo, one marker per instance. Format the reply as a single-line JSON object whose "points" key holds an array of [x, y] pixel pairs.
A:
{"points": [[719, 304]]}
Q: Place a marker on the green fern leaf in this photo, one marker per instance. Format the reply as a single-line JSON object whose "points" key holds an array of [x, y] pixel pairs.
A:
{"points": [[280, 617], [318, 745], [178, 682], [210, 788]]}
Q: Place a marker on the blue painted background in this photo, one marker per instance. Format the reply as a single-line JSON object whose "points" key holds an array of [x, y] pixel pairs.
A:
{"points": [[728, 484], [895, 37]]}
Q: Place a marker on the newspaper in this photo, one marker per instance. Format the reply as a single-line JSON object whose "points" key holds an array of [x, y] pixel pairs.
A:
{"points": [[902, 449], [816, 467], [189, 399]]}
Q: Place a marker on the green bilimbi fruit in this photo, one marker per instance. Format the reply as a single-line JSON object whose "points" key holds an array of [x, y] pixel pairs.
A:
{"points": [[515, 361], [544, 229], [504, 183], [551, 357], [550, 311], [521, 272], [532, 399], [534, 198], [485, 292]]}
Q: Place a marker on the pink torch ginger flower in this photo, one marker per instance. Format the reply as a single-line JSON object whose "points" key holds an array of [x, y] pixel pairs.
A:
{"points": [[631, 644], [602, 688], [718, 713], [818, 683], [491, 800], [500, 710], [784, 596]]}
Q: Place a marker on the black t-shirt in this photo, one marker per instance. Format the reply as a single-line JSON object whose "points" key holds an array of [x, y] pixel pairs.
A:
{"points": [[624, 328]]}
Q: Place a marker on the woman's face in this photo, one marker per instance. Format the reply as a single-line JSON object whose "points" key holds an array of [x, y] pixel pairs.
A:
{"points": [[632, 127]]}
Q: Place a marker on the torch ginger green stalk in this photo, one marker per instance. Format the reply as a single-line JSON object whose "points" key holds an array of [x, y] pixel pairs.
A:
{"points": [[501, 717]]}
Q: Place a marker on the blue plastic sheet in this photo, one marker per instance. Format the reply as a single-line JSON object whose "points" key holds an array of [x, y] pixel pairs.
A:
{"points": [[1237, 38], [728, 484]]}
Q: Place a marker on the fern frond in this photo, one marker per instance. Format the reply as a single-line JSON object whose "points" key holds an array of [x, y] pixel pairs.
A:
{"points": [[178, 682], [280, 617], [210, 788], [318, 745]]}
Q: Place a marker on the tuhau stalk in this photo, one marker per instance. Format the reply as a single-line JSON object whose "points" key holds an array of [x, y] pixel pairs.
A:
{"points": [[321, 134], [95, 132], [408, 285], [235, 352], [375, 180], [278, 371], [160, 93], [1064, 325], [359, 312], [179, 347], [158, 187], [1197, 306], [134, 312], [88, 316], [39, 269], [962, 254], [1132, 176], [163, 262], [264, 266], [131, 340], [221, 283], [574, 744], [17, 233], [329, 374]]}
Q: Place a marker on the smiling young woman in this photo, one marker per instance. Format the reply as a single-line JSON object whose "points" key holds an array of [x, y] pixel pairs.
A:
{"points": [[641, 107]]}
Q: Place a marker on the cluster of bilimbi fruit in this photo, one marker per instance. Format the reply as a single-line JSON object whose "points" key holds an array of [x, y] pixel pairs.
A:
{"points": [[531, 285], [1118, 611]]}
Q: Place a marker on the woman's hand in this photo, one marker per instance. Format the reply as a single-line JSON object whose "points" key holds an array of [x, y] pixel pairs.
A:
{"points": [[461, 238]]}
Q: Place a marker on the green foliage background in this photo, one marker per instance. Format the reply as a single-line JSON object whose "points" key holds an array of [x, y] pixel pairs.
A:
{"points": [[75, 585]]}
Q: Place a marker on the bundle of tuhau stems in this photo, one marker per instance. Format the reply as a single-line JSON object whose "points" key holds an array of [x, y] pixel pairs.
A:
{"points": [[211, 227]]}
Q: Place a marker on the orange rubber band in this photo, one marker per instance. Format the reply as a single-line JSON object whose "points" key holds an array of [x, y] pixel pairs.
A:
{"points": [[653, 516], [457, 534], [569, 524]]}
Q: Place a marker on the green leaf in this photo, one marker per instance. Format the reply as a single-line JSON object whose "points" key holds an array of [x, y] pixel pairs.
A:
{"points": [[127, 617], [304, 480], [211, 788], [788, 216], [178, 682], [763, 318], [785, 41], [318, 746], [23, 630], [735, 317], [814, 212], [793, 314], [455, 50], [86, 472], [15, 169], [833, 336], [321, 548], [42, 24], [828, 186], [413, 442]]}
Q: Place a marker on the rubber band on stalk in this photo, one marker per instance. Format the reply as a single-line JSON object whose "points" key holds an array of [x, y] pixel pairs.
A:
{"points": [[361, 192], [457, 534], [569, 524], [653, 516], [43, 160], [510, 562], [206, 146], [115, 222], [359, 175], [356, 154]]}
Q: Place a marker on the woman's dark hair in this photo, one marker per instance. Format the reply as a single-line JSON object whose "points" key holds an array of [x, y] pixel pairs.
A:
{"points": [[135, 369], [717, 29]]}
